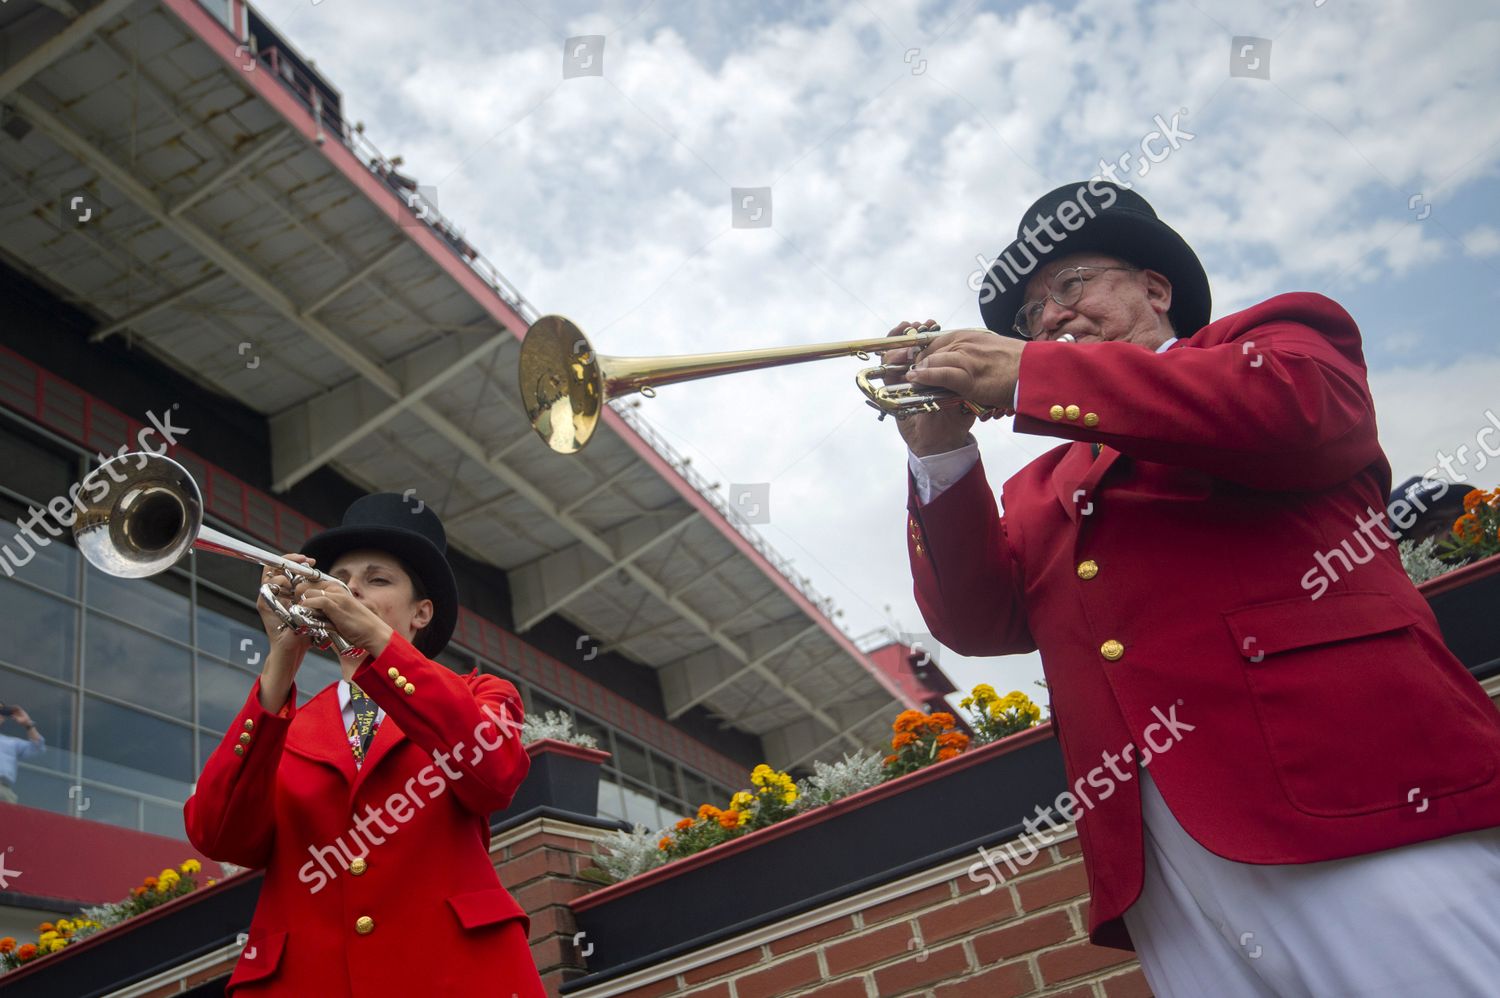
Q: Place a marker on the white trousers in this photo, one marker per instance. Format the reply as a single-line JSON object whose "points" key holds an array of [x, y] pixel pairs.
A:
{"points": [[1419, 920]]}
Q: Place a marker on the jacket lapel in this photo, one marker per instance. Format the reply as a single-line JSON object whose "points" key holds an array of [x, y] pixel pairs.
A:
{"points": [[387, 737], [318, 733]]}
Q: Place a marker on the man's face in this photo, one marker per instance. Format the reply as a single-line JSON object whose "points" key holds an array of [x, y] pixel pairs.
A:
{"points": [[1123, 305]]}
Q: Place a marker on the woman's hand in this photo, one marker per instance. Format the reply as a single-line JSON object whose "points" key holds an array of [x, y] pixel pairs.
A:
{"points": [[357, 623], [288, 648]]}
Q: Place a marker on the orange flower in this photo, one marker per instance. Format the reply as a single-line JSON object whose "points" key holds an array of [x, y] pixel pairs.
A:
{"points": [[684, 824], [1473, 499], [149, 881], [7, 944], [138, 892], [954, 740], [889, 759], [903, 739], [909, 720], [939, 721], [947, 753], [706, 811], [1466, 527], [26, 952], [664, 844], [729, 819]]}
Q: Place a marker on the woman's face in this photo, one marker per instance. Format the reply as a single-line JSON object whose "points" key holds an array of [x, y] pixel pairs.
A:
{"points": [[379, 582]]}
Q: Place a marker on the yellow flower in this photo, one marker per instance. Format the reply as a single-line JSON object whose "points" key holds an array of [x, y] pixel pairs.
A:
{"points": [[191, 866], [47, 937], [741, 800], [966, 703]]}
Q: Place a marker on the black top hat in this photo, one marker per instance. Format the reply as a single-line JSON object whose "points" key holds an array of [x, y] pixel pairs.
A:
{"points": [[388, 522], [1104, 218]]}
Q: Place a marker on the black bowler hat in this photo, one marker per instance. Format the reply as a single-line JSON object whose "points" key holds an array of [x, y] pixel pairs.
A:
{"points": [[1105, 218], [412, 532]]}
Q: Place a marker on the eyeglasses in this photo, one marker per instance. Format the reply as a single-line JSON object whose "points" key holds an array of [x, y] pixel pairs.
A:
{"points": [[1064, 287]]}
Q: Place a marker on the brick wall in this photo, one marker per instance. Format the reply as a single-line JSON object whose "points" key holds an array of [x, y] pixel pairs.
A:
{"points": [[932, 934]]}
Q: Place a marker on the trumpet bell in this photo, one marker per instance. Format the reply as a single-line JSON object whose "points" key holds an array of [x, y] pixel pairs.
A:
{"points": [[562, 385], [146, 519]]}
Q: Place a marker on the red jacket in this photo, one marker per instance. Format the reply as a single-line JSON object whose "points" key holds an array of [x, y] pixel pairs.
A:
{"points": [[1327, 717], [282, 792]]}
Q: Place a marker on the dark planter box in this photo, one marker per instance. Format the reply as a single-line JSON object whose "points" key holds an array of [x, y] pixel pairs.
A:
{"points": [[919, 820], [563, 777], [1465, 602], [165, 937]]}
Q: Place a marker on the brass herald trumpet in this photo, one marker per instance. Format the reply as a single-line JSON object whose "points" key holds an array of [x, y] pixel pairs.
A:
{"points": [[564, 383], [150, 512]]}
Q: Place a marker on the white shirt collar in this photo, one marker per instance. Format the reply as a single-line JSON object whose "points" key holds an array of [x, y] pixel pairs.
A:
{"points": [[347, 709], [1163, 347]]}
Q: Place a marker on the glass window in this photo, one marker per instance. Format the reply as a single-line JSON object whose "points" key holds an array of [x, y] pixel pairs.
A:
{"points": [[158, 603], [131, 750], [230, 630], [34, 468], [51, 708], [52, 564], [234, 574], [641, 807], [588, 726], [630, 759], [206, 745], [40, 631], [222, 690], [666, 774], [610, 803], [132, 665], [316, 673], [695, 788]]}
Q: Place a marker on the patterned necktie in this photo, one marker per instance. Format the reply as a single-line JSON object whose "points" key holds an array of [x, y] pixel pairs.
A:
{"points": [[363, 728]]}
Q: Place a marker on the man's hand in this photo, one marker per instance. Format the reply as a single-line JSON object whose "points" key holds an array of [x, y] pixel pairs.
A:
{"points": [[929, 433], [358, 624], [978, 365], [22, 718]]}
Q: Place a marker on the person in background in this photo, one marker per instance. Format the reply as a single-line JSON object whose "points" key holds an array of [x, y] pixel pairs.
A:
{"points": [[13, 750]]}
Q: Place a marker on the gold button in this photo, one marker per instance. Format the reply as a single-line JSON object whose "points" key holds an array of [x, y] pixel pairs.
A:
{"points": [[245, 738], [357, 867], [409, 688], [365, 925], [239, 750], [400, 680], [393, 672], [1056, 412], [1088, 569], [249, 724], [1112, 650], [1072, 411], [1091, 419]]}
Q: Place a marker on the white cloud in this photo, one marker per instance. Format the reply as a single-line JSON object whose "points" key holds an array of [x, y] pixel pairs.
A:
{"points": [[607, 199]]}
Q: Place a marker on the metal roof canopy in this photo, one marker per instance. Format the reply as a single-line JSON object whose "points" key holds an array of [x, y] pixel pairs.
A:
{"points": [[242, 242]]}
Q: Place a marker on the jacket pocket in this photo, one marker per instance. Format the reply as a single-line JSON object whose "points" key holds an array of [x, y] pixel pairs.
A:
{"points": [[487, 907], [259, 960], [1356, 716]]}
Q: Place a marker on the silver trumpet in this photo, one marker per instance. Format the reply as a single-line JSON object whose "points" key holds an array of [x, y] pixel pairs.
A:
{"points": [[149, 512]]}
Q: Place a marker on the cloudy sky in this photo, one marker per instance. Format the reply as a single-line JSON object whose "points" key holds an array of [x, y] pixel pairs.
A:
{"points": [[1356, 155]]}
